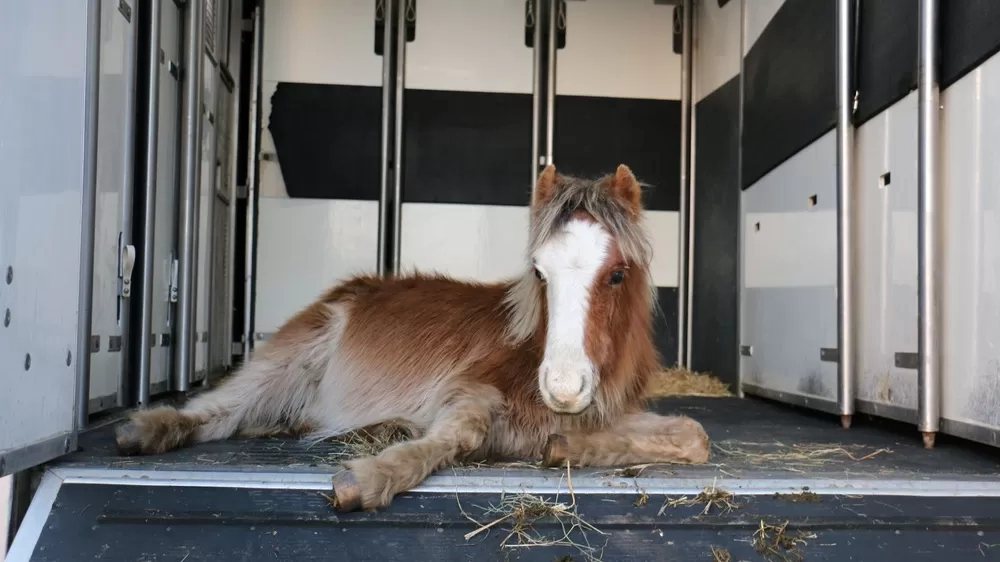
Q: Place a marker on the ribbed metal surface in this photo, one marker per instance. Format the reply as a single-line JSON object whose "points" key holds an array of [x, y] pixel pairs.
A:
{"points": [[211, 27]]}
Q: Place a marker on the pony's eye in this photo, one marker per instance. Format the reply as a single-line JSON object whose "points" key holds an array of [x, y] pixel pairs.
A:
{"points": [[617, 277], [539, 275]]}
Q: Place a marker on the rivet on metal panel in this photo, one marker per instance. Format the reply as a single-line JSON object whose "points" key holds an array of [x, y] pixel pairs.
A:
{"points": [[10, 274], [905, 360], [69, 358], [829, 354], [746, 350], [6, 318], [27, 361]]}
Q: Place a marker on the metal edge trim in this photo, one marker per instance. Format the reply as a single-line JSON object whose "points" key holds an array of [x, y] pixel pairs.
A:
{"points": [[973, 432], [545, 483], [888, 411], [31, 527], [824, 405], [740, 258], [16, 460]]}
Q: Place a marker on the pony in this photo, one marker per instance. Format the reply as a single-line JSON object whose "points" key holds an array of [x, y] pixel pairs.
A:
{"points": [[552, 364]]}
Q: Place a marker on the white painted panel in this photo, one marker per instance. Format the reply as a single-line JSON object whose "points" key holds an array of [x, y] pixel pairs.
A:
{"points": [[271, 182], [475, 46], [717, 46], [758, 14], [619, 49], [887, 266], [788, 292], [971, 171], [167, 178], [305, 246], [106, 366], [321, 42], [42, 88], [664, 228], [477, 242], [206, 193]]}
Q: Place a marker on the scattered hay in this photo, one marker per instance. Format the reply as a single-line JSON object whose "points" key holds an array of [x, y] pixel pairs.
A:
{"points": [[711, 497], [804, 496], [642, 500], [522, 511], [811, 455], [720, 555], [682, 382], [773, 542], [373, 440]]}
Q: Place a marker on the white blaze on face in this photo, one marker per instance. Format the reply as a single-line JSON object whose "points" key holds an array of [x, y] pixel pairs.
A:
{"points": [[569, 263]]}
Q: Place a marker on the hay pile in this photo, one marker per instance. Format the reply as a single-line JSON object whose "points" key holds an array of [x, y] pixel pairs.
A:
{"points": [[677, 381]]}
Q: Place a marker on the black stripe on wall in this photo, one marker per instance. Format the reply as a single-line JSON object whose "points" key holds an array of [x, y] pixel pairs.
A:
{"points": [[715, 290], [328, 140], [970, 34], [665, 325], [887, 54], [790, 74], [593, 135]]}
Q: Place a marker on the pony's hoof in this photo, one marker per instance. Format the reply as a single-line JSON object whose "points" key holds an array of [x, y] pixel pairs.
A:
{"points": [[556, 450], [346, 491], [128, 439]]}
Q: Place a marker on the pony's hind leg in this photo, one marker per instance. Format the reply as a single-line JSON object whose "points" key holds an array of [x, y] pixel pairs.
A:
{"points": [[459, 429], [636, 439]]}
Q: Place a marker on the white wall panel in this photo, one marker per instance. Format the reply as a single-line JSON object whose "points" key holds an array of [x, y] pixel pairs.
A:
{"points": [[272, 183], [321, 42], [664, 228], [473, 46], [887, 274], [42, 85], [619, 49], [789, 290], [717, 45], [758, 14], [305, 246], [971, 171]]}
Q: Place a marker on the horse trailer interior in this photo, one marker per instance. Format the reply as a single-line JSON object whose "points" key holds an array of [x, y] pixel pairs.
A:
{"points": [[822, 204]]}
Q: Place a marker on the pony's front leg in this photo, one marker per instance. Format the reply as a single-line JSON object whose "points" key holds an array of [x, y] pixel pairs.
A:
{"points": [[459, 429], [635, 439]]}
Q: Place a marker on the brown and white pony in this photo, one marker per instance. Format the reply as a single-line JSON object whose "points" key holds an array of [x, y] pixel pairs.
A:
{"points": [[552, 364]]}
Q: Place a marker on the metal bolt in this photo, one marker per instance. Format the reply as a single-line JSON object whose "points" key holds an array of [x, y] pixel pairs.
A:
{"points": [[6, 318], [10, 274], [69, 358], [27, 361]]}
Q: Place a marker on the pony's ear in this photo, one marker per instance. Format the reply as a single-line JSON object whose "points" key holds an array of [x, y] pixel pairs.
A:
{"points": [[624, 186], [545, 189]]}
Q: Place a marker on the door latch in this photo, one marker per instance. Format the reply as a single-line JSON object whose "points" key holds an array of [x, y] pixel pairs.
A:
{"points": [[173, 281], [126, 264]]}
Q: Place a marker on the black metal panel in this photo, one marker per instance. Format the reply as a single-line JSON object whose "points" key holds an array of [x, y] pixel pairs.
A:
{"points": [[467, 147], [715, 289], [593, 135], [970, 34], [887, 54], [665, 325], [327, 139], [791, 85], [128, 523]]}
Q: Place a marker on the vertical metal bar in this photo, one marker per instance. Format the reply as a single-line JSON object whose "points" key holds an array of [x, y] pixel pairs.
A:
{"points": [[845, 215], [929, 232], [128, 194], [550, 90], [89, 214], [383, 198], [685, 149], [405, 9], [149, 226], [212, 198], [236, 9], [740, 237], [188, 219], [536, 92], [248, 281], [692, 120]]}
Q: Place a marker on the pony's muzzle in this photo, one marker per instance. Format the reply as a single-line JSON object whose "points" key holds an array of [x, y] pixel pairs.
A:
{"points": [[567, 388]]}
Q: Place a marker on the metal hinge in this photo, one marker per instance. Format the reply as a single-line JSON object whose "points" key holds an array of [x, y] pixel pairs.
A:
{"points": [[126, 264], [173, 281], [125, 10]]}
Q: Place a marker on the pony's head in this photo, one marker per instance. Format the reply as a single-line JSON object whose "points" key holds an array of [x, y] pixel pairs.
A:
{"points": [[589, 257]]}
